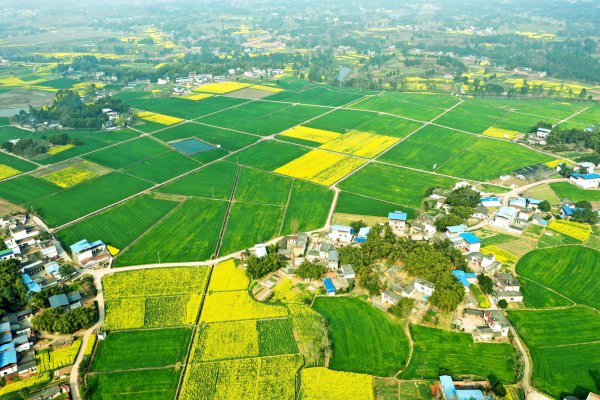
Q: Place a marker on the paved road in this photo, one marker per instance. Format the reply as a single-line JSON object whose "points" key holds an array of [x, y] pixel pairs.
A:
{"points": [[515, 192]]}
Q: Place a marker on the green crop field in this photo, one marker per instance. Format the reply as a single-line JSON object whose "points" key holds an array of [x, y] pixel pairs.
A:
{"points": [[319, 96], [564, 348], [151, 384], [162, 167], [358, 329], [87, 197], [350, 203], [120, 225], [184, 108], [255, 186], [229, 140], [396, 185], [60, 83], [16, 163], [214, 181], [249, 224], [307, 209], [572, 268], [420, 107], [536, 296], [127, 153], [268, 155], [25, 189], [342, 120], [458, 355], [574, 193], [471, 117], [276, 336], [189, 233], [142, 349]]}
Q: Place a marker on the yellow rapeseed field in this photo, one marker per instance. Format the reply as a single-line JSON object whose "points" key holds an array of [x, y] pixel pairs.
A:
{"points": [[312, 134], [158, 118], [364, 144], [113, 250], [6, 171], [226, 276], [575, 230], [557, 162], [320, 167], [501, 255], [198, 96], [222, 87], [59, 149], [501, 133], [325, 384], [227, 340], [267, 88], [69, 176], [237, 305]]}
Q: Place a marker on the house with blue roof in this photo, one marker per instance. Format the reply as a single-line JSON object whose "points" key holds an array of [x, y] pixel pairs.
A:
{"points": [[6, 254], [466, 278], [397, 222], [491, 201], [89, 254], [453, 231], [450, 392], [329, 287], [363, 234], [341, 233], [507, 218], [8, 359], [518, 202], [586, 181], [469, 242], [31, 284]]}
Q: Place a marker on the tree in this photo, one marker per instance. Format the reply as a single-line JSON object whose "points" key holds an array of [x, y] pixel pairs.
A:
{"points": [[503, 304], [66, 270], [259, 267], [308, 270], [462, 211], [464, 196], [13, 292], [403, 308], [486, 283], [64, 322], [356, 225], [448, 220], [544, 206]]}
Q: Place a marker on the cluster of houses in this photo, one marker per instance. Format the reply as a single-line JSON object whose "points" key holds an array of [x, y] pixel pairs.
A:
{"points": [[88, 254], [585, 175], [17, 356]]}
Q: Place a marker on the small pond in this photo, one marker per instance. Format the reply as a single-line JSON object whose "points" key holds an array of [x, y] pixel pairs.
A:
{"points": [[192, 146]]}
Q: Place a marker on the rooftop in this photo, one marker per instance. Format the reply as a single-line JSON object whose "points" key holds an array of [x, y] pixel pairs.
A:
{"points": [[470, 238], [398, 216], [58, 300], [328, 283], [342, 228], [586, 176], [456, 228]]}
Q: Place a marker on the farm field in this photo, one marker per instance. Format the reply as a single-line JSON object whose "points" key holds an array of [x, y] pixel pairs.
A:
{"points": [[142, 349], [472, 117], [226, 277], [350, 203], [26, 188], [268, 155], [363, 144], [162, 167], [396, 185], [128, 153], [151, 384], [326, 384], [252, 184], [307, 209], [119, 226], [229, 140], [536, 296], [15, 163], [420, 107], [563, 354], [214, 181], [356, 329], [87, 197], [185, 108], [319, 95], [574, 193], [237, 306], [458, 355], [155, 282], [177, 237], [573, 267]]}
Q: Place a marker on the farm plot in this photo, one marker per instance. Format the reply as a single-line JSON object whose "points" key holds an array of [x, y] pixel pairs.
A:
{"points": [[520, 123], [162, 167], [319, 95], [363, 144], [226, 276], [6, 160], [51, 360], [310, 326], [472, 117], [356, 329], [237, 305], [249, 224], [229, 140], [120, 225], [575, 230], [417, 106], [311, 134], [26, 188], [564, 348], [574, 193], [349, 203], [69, 176], [184, 108], [150, 384], [142, 349], [307, 209], [397, 185], [536, 296], [171, 310], [252, 187], [87, 197], [268, 155], [325, 384], [342, 120], [458, 355], [189, 233], [271, 378], [6, 171], [128, 153], [321, 167], [572, 268], [214, 181], [158, 118], [221, 87]]}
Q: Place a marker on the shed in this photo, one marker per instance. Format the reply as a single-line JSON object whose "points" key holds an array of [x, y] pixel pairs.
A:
{"points": [[328, 283], [58, 300]]}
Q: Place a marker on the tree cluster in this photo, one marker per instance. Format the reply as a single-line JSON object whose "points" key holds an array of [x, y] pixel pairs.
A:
{"points": [[588, 138], [463, 202], [584, 213], [309, 270], [64, 322], [28, 147], [257, 267], [13, 292]]}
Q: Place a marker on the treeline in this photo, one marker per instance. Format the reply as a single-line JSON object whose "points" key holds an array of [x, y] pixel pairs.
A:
{"points": [[588, 138], [70, 110], [28, 147], [13, 292], [432, 261], [56, 320]]}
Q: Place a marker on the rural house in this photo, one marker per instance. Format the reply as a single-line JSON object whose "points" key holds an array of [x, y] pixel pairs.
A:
{"points": [[507, 288], [90, 254], [586, 181], [496, 321], [397, 222], [453, 231], [363, 234], [341, 233], [346, 271], [425, 287], [468, 242], [390, 297]]}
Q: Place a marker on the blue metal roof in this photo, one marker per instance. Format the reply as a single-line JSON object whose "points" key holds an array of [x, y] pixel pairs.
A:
{"points": [[469, 395], [456, 228], [398, 215], [448, 387], [531, 200], [470, 238], [519, 201], [5, 253], [364, 232], [463, 276], [586, 176], [97, 243], [31, 285], [328, 285], [342, 228], [80, 246], [8, 355], [507, 212], [568, 210]]}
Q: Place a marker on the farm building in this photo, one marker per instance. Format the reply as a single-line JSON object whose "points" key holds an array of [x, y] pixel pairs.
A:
{"points": [[362, 235], [496, 321], [467, 242], [466, 278], [346, 271], [450, 392], [329, 287], [481, 212], [586, 181], [260, 250], [341, 233], [507, 288], [420, 230], [333, 262], [453, 231], [71, 300], [390, 297], [397, 221], [425, 287], [8, 359], [543, 133], [491, 202], [90, 254], [482, 262]]}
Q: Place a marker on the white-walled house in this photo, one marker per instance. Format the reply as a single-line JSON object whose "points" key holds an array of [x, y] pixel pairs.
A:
{"points": [[341, 233], [586, 181], [397, 222], [90, 254], [425, 287]]}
